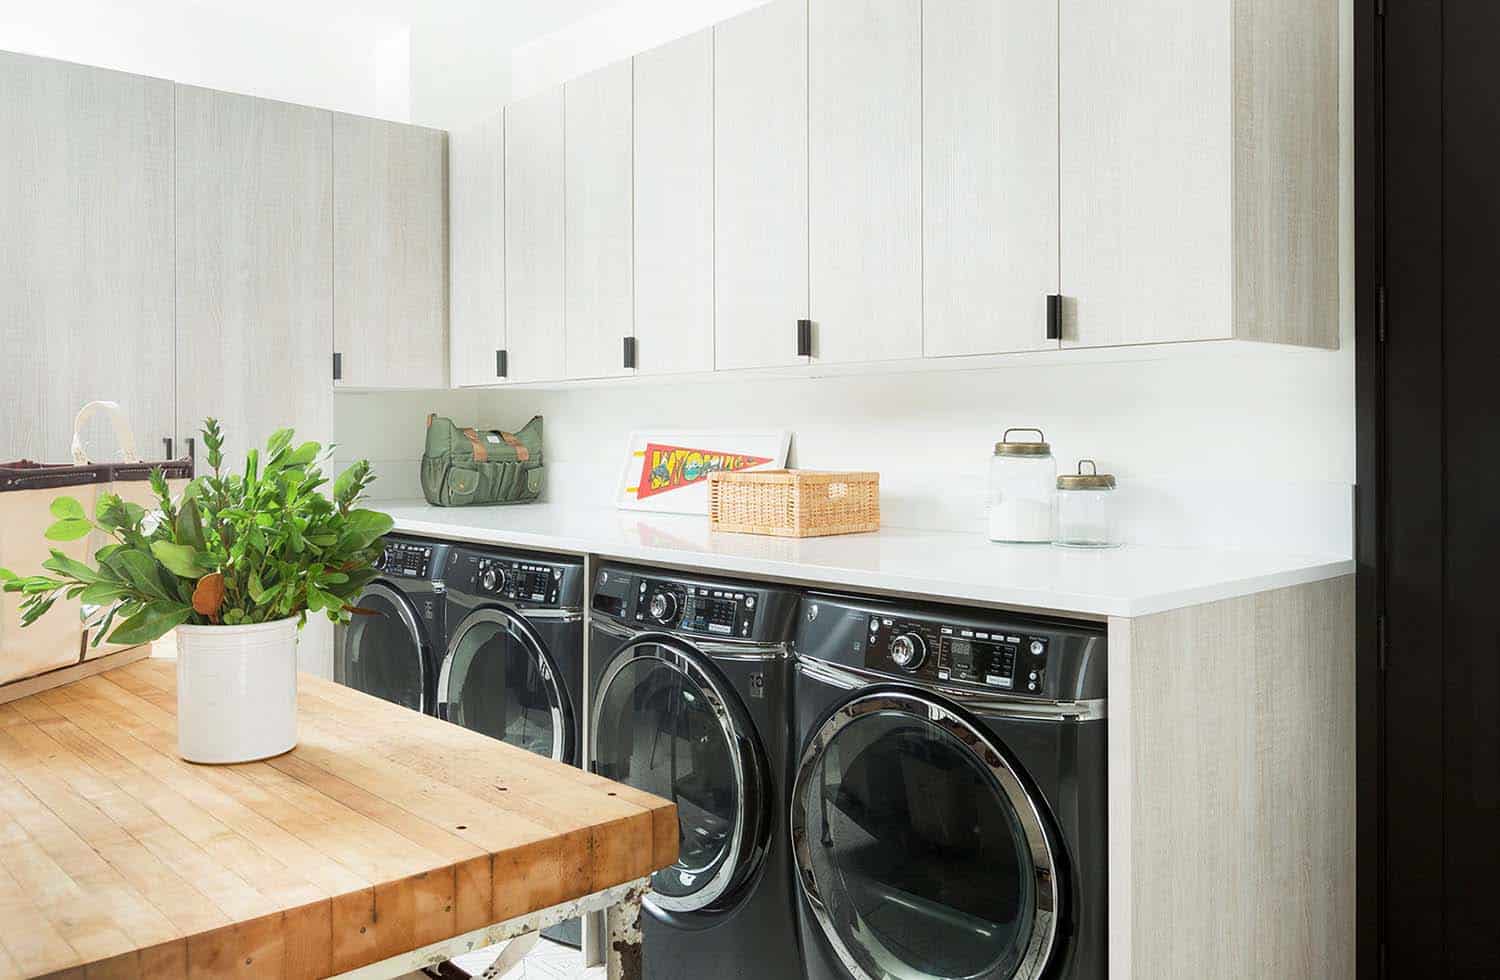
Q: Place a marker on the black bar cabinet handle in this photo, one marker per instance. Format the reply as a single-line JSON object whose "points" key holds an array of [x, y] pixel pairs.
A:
{"points": [[338, 366], [501, 367], [804, 338], [630, 352], [192, 449], [167, 444], [1054, 317]]}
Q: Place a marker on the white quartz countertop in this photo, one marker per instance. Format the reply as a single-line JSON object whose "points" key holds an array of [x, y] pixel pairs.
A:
{"points": [[1135, 580]]}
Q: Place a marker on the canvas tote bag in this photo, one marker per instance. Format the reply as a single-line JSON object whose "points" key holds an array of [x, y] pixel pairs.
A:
{"points": [[27, 491]]}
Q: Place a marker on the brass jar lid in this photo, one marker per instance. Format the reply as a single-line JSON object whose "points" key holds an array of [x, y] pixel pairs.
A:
{"points": [[1020, 448], [1092, 480]]}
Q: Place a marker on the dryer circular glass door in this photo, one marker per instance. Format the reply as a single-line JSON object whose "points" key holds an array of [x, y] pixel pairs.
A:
{"points": [[499, 679], [666, 722], [918, 849], [384, 652]]}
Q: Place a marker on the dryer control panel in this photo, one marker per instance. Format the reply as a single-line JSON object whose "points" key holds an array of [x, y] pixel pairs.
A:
{"points": [[1006, 660], [407, 559], [522, 579], [650, 601]]}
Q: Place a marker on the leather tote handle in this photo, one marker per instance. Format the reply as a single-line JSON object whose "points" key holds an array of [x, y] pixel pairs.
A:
{"points": [[123, 433]]}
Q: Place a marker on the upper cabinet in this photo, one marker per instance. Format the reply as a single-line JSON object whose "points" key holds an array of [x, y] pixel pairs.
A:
{"points": [[674, 207], [253, 267], [598, 279], [865, 178], [534, 237], [1199, 171], [390, 254], [86, 295], [989, 175], [476, 234], [760, 185]]}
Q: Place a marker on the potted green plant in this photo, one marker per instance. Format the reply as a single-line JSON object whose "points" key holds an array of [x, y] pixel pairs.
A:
{"points": [[235, 565]]}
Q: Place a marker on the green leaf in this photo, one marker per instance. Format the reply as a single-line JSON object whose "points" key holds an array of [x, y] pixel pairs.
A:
{"points": [[63, 565], [190, 525], [6, 575], [257, 591], [69, 529], [179, 559], [363, 528], [151, 623], [140, 570], [65, 507], [102, 592], [36, 608]]}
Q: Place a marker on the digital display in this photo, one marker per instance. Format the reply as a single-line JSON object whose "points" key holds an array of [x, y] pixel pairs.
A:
{"points": [[962, 653]]}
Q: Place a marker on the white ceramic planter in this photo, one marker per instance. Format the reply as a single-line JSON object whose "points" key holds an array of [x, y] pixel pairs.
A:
{"points": [[236, 691]]}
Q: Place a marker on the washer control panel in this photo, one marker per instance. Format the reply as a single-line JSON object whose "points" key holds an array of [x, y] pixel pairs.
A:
{"points": [[519, 580], [950, 653], [406, 559], [526, 580], [686, 608]]}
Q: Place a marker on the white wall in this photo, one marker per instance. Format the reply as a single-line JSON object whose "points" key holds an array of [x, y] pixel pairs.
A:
{"points": [[275, 49], [610, 34]]}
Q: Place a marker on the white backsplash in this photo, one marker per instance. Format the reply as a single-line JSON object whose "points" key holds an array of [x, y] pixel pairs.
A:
{"points": [[1230, 446]]}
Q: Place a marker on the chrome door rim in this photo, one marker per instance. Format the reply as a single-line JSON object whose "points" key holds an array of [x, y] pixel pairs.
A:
{"points": [[917, 705], [515, 624], [679, 656], [413, 628]]}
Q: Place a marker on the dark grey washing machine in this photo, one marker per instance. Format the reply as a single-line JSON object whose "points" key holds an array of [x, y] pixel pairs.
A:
{"points": [[689, 681], [513, 665], [392, 647], [948, 809]]}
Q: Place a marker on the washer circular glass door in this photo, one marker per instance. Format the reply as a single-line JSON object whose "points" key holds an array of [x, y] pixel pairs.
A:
{"points": [[384, 652], [919, 850], [499, 679], [665, 722]]}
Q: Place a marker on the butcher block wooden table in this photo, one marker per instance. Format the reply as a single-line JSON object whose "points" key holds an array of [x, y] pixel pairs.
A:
{"points": [[384, 841]]}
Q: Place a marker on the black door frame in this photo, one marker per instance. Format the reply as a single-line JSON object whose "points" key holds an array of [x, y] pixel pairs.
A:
{"points": [[1427, 238]]}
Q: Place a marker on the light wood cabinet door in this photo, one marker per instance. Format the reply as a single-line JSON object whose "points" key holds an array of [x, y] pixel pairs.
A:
{"points": [[390, 254], [989, 175], [476, 233], [674, 202], [254, 267], [534, 237], [865, 178], [598, 282], [760, 185], [85, 255], [1199, 172]]}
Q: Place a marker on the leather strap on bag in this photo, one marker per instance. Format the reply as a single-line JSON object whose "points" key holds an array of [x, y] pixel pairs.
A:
{"points": [[522, 453], [123, 434], [481, 454]]}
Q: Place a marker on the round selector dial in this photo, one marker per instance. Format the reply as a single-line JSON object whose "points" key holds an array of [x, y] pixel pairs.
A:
{"points": [[663, 607], [491, 579], [908, 651]]}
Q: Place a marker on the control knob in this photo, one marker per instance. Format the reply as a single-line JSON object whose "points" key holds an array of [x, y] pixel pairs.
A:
{"points": [[491, 579], [663, 607], [908, 651]]}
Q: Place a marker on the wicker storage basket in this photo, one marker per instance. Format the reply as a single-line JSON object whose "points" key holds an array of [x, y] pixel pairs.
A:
{"points": [[794, 503]]}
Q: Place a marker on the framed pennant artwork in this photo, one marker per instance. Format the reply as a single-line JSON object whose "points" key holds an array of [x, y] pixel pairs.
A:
{"points": [[667, 471]]}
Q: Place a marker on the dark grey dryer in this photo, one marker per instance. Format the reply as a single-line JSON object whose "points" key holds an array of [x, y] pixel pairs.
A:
{"points": [[690, 686], [392, 646], [948, 808]]}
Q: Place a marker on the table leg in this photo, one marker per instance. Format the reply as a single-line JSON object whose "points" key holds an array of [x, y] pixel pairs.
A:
{"points": [[622, 955]]}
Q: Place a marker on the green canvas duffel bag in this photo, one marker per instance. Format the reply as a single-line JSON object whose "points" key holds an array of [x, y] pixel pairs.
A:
{"points": [[467, 467]]}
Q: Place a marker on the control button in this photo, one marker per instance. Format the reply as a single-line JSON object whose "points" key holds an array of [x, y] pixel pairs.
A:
{"points": [[874, 626], [995, 680], [663, 607], [1037, 646], [908, 651], [1033, 675], [967, 634], [1031, 686], [491, 579], [749, 602], [942, 675]]}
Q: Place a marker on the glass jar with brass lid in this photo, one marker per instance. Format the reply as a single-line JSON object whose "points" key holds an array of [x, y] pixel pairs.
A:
{"points": [[1022, 474], [1084, 509]]}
